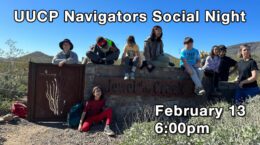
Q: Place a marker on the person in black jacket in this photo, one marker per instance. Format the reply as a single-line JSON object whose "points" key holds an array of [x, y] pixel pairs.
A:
{"points": [[103, 52], [225, 64]]}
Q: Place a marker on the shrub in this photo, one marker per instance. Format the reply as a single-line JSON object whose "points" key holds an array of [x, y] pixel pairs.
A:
{"points": [[227, 130]]}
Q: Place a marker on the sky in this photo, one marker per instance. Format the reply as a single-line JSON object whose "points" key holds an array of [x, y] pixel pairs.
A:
{"points": [[45, 37]]}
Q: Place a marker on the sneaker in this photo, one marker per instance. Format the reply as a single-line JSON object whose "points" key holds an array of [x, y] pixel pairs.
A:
{"points": [[108, 131], [126, 76], [132, 76], [200, 92]]}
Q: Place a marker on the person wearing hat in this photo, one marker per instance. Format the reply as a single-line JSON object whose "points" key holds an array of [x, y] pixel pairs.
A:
{"points": [[103, 52], [190, 62], [225, 64], [66, 56]]}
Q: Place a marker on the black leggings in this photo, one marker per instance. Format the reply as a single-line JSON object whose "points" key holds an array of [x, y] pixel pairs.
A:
{"points": [[214, 76]]}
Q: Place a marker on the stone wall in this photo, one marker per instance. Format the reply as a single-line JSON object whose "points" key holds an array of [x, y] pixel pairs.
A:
{"points": [[163, 86]]}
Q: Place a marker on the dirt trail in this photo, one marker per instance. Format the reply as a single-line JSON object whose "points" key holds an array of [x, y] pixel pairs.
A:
{"points": [[27, 133], [21, 134]]}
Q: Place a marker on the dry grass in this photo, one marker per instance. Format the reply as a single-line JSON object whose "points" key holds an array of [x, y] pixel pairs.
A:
{"points": [[227, 130]]}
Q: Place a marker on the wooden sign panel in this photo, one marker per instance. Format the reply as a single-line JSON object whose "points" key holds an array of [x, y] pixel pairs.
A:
{"points": [[53, 90]]}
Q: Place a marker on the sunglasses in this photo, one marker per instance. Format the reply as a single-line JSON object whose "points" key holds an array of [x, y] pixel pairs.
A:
{"points": [[102, 43]]}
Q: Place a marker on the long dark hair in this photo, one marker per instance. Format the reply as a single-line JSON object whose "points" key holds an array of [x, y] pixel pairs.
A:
{"points": [[131, 40], [212, 51], [153, 37], [92, 97]]}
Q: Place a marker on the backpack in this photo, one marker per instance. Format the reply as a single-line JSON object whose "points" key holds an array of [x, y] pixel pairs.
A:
{"points": [[74, 115], [19, 109]]}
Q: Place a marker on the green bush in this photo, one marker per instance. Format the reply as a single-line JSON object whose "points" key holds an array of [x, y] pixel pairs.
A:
{"points": [[5, 106], [227, 130]]}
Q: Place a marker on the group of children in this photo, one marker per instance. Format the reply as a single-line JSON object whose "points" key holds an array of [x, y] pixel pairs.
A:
{"points": [[216, 66]]}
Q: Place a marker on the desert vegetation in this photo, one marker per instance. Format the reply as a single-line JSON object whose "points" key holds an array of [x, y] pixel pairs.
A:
{"points": [[13, 75], [226, 130]]}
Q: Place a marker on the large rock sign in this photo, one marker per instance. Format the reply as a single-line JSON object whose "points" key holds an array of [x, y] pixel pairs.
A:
{"points": [[163, 86], [162, 82], [53, 90]]}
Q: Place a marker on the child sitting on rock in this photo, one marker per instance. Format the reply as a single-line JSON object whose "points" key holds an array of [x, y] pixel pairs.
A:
{"points": [[130, 58], [190, 62], [94, 112]]}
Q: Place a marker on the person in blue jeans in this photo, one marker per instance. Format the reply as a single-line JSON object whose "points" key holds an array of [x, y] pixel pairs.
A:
{"points": [[190, 61], [247, 76], [131, 58]]}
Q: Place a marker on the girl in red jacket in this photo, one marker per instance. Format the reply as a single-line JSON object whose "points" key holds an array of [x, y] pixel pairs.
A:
{"points": [[94, 112]]}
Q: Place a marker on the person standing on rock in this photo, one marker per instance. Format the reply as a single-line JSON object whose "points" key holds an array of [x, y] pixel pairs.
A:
{"points": [[94, 112], [247, 76], [153, 50], [66, 56], [190, 62], [103, 52], [131, 58]]}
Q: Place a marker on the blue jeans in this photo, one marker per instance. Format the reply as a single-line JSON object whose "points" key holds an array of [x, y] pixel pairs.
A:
{"points": [[197, 75], [244, 93], [130, 63]]}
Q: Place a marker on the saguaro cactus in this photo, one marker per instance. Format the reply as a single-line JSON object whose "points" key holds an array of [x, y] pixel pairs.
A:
{"points": [[53, 95]]}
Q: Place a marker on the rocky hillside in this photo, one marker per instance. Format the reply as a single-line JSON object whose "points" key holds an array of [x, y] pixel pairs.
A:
{"points": [[36, 56]]}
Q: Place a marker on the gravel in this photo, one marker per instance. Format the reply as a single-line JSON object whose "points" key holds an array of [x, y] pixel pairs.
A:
{"points": [[24, 132]]}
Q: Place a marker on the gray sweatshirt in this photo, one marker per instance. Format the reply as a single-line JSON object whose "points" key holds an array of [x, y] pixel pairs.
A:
{"points": [[152, 49], [71, 58]]}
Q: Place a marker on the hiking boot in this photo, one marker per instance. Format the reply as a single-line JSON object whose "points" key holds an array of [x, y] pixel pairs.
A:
{"points": [[108, 131], [200, 92], [126, 76], [132, 76]]}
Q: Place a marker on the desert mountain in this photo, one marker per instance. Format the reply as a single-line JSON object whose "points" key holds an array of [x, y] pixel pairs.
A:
{"points": [[36, 56]]}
